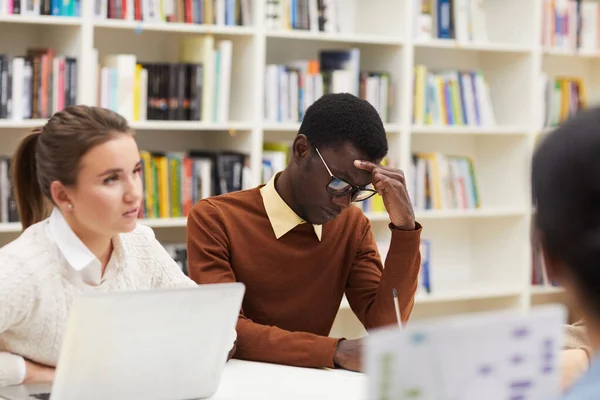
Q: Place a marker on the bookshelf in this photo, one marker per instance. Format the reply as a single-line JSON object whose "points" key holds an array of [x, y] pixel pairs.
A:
{"points": [[480, 258]]}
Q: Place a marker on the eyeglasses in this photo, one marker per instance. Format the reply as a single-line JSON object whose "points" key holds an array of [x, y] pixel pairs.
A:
{"points": [[338, 187]]}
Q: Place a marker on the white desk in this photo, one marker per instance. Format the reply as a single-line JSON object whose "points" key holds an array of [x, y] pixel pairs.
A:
{"points": [[245, 380]]}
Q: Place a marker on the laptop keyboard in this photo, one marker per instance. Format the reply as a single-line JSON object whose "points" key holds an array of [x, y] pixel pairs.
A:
{"points": [[41, 396]]}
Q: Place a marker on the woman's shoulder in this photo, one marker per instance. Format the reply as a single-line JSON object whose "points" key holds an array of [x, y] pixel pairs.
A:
{"points": [[24, 257]]}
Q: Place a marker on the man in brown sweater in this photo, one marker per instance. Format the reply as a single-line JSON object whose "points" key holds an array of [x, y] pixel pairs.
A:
{"points": [[299, 245]]}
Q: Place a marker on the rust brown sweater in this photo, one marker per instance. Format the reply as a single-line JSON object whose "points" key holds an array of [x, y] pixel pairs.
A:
{"points": [[294, 284]]}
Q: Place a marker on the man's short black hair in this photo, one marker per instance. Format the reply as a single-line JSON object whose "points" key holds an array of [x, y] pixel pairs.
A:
{"points": [[339, 118]]}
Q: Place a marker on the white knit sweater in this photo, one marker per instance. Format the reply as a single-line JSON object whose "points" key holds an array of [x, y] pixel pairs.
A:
{"points": [[36, 291]]}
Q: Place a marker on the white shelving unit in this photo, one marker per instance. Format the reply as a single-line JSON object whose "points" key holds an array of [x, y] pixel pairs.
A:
{"points": [[480, 258]]}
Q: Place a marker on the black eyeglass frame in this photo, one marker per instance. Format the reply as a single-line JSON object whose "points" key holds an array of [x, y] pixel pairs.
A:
{"points": [[355, 190]]}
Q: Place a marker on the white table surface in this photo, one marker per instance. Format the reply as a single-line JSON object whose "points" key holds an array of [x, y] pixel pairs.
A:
{"points": [[245, 380]]}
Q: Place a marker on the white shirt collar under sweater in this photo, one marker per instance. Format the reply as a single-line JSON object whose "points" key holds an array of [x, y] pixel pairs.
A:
{"points": [[84, 264]]}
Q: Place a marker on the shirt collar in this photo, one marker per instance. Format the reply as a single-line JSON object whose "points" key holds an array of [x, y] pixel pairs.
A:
{"points": [[283, 219], [71, 247]]}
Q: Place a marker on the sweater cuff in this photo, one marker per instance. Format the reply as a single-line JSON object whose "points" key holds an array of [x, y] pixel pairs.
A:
{"points": [[324, 350], [406, 239], [12, 369]]}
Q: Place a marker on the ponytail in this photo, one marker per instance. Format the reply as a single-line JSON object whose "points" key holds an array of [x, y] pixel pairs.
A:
{"points": [[30, 200]]}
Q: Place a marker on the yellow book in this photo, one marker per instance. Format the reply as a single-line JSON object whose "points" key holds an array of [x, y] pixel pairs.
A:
{"points": [[456, 104], [565, 97], [441, 100], [583, 101], [137, 92], [377, 205], [420, 94], [175, 185], [208, 13], [163, 186]]}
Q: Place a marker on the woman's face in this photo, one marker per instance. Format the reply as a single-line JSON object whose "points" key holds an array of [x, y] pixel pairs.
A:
{"points": [[107, 197]]}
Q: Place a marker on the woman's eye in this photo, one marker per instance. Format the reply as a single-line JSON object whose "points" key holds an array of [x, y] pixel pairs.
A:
{"points": [[110, 179]]}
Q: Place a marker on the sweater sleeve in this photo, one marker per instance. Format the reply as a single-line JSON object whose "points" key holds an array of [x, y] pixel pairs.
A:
{"points": [[209, 262], [370, 286], [14, 298], [576, 337]]}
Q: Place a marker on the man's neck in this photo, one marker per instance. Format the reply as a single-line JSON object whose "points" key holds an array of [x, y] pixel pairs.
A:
{"points": [[283, 186]]}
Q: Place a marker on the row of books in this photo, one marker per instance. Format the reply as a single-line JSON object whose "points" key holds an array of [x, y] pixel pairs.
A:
{"points": [[292, 87], [310, 15], [174, 181], [195, 89], [563, 98], [209, 12], [62, 8], [571, 25], [463, 20], [443, 182], [37, 84], [451, 97]]}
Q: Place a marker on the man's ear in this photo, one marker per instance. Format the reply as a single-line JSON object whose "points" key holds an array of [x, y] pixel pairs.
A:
{"points": [[301, 148]]}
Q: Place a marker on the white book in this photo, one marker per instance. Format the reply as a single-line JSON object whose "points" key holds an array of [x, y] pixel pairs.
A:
{"points": [[420, 191], [589, 26], [466, 87], [200, 50], [462, 23], [143, 95], [313, 15], [478, 21], [284, 96], [26, 92], [293, 96], [225, 49], [18, 83], [318, 86], [124, 65], [271, 92], [104, 87]]}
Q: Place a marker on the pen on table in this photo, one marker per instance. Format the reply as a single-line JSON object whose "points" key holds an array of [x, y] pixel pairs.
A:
{"points": [[397, 307]]}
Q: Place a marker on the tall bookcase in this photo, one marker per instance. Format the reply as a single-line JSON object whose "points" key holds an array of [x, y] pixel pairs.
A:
{"points": [[480, 259]]}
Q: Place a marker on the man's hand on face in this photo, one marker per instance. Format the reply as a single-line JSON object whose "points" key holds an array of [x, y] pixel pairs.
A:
{"points": [[391, 185]]}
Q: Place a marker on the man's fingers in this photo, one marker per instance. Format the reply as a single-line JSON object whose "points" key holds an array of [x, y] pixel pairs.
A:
{"points": [[365, 165], [394, 175]]}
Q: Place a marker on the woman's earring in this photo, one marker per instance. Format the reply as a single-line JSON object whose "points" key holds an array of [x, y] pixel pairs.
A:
{"points": [[70, 206]]}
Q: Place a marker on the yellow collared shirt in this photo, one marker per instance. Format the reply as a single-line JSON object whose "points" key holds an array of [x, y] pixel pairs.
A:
{"points": [[283, 219]]}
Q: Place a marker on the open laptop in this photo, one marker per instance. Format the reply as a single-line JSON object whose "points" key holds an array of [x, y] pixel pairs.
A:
{"points": [[159, 344]]}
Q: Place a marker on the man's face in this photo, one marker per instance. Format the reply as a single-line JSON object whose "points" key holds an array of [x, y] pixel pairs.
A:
{"points": [[310, 185]]}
